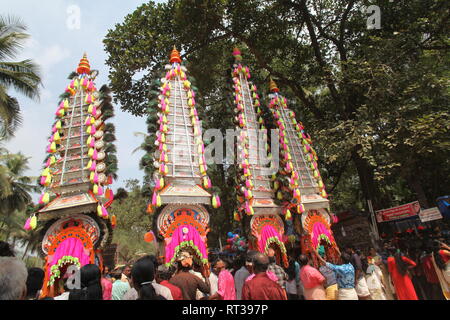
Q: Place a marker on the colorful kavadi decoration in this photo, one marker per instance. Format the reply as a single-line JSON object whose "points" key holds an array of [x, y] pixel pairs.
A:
{"points": [[181, 183], [298, 183], [76, 181], [254, 193]]}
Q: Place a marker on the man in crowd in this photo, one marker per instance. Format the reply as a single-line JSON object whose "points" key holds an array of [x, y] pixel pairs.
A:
{"points": [[361, 287], [240, 276], [119, 288], [126, 274], [163, 275], [276, 269], [35, 281], [261, 287], [226, 290], [13, 279], [186, 281]]}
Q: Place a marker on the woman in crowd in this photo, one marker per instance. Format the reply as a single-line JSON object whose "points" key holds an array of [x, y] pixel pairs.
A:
{"points": [[91, 288], [312, 280], [142, 276], [398, 268], [374, 278], [440, 259]]}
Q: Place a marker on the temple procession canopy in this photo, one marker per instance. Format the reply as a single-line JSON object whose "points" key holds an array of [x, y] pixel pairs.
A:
{"points": [[76, 180]]}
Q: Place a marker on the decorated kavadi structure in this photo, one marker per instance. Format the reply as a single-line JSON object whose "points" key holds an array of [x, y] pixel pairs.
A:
{"points": [[254, 192], [182, 187], [78, 170], [298, 183]]}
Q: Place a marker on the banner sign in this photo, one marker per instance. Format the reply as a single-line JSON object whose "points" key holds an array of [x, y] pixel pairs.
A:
{"points": [[430, 214], [400, 212]]}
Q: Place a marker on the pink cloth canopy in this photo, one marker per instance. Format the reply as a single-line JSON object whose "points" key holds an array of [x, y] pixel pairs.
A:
{"points": [[179, 236], [70, 247], [266, 233], [318, 230]]}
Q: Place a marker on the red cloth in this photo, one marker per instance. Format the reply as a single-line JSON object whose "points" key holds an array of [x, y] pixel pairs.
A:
{"points": [[107, 289], [428, 269], [261, 287], [176, 292], [402, 283]]}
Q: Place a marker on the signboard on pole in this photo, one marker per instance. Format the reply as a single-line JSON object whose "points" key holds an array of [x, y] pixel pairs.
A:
{"points": [[430, 214], [400, 212]]}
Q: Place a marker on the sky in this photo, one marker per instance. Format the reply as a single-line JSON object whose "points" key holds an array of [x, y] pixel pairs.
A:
{"points": [[60, 32]]}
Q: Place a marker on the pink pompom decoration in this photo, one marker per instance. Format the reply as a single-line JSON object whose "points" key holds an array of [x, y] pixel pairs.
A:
{"points": [[92, 144], [95, 178], [154, 199], [95, 155], [100, 190], [27, 224], [105, 213], [93, 166], [43, 180]]}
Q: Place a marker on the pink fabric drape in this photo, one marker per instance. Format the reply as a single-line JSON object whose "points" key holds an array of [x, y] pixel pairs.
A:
{"points": [[179, 236], [266, 233], [319, 229], [70, 247]]}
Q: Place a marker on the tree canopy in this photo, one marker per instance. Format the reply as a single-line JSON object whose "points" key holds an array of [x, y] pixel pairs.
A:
{"points": [[375, 101]]}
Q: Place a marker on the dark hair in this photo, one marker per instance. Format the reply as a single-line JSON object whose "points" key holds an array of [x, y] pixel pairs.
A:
{"points": [[290, 270], [143, 273], [5, 249], [260, 262], [117, 274], [91, 288], [166, 274], [402, 268], [303, 259], [35, 280], [346, 258], [251, 255]]}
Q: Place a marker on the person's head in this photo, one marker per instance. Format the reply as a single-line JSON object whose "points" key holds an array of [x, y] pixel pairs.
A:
{"points": [[142, 276], [13, 279], [346, 258], [164, 273], [5, 249], [219, 265], [184, 260], [349, 250], [116, 274], [260, 263], [391, 251], [249, 260], [303, 259], [127, 270], [106, 270], [35, 281], [402, 267], [372, 251], [91, 288]]}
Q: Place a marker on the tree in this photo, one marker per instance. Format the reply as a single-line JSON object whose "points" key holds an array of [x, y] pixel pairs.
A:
{"points": [[23, 76], [132, 223], [374, 101]]}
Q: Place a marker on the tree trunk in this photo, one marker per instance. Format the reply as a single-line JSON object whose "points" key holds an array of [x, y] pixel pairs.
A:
{"points": [[415, 184], [26, 250], [366, 179]]}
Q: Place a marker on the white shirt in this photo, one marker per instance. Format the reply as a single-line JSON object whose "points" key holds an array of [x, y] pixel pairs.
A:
{"points": [[63, 296], [239, 280], [163, 291]]}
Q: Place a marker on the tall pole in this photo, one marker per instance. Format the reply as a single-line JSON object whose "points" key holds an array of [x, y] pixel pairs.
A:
{"points": [[374, 221]]}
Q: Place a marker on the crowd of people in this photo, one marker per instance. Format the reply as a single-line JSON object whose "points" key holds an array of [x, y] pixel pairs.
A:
{"points": [[392, 272]]}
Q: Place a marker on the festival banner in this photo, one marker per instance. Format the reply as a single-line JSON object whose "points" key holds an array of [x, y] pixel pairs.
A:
{"points": [[430, 214], [400, 212]]}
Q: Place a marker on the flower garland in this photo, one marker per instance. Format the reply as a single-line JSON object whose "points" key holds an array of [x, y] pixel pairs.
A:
{"points": [[55, 272], [183, 245]]}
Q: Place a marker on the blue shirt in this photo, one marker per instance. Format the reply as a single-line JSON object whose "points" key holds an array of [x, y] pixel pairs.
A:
{"points": [[345, 275]]}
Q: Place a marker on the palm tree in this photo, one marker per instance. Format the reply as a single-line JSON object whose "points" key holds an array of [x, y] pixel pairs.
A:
{"points": [[18, 186], [23, 76]]}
